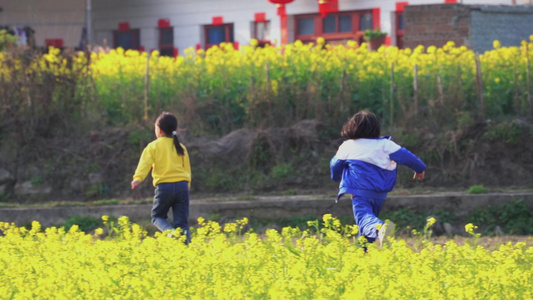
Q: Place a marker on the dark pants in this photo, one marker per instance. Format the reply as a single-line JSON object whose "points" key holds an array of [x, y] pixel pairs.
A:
{"points": [[173, 195], [366, 212]]}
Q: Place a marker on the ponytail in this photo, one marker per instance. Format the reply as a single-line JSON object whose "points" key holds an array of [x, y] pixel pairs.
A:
{"points": [[179, 148], [169, 125]]}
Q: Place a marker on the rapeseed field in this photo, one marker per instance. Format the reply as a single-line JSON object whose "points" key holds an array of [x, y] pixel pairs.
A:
{"points": [[230, 261]]}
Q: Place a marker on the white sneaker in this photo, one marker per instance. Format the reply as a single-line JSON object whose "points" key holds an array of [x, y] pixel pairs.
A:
{"points": [[387, 230], [172, 233]]}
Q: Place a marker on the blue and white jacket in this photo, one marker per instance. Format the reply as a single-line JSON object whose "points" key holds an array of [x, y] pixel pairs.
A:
{"points": [[368, 167]]}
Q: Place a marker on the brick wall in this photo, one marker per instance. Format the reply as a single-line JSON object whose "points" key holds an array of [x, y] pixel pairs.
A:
{"points": [[429, 25], [475, 26]]}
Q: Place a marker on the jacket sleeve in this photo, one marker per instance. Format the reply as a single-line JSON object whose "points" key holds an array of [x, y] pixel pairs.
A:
{"points": [[336, 166], [405, 157], [187, 164], [145, 164]]}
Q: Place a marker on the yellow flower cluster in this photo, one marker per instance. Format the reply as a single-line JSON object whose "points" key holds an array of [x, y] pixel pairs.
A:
{"points": [[239, 83], [294, 264]]}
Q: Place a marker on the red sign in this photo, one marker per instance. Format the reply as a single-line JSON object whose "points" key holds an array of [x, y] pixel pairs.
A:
{"points": [[123, 26], [260, 17], [57, 43], [400, 6], [376, 18], [163, 23], [218, 20]]}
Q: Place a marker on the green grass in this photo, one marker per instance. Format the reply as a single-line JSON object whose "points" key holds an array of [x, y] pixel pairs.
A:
{"points": [[477, 189]]}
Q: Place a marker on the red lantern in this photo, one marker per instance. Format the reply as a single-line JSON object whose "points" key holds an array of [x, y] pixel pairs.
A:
{"points": [[327, 6], [280, 4], [282, 13], [280, 1]]}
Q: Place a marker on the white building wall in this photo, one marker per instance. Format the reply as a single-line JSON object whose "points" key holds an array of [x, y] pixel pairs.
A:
{"points": [[51, 19], [188, 17], [387, 7], [66, 18]]}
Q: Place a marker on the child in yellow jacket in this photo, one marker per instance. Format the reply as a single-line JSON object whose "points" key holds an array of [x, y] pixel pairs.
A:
{"points": [[171, 172]]}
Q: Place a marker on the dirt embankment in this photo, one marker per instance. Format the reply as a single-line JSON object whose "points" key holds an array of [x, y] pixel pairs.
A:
{"points": [[98, 164]]}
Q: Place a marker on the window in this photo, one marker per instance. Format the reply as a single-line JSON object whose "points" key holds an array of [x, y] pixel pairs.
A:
{"points": [[306, 26], [400, 21], [166, 41], [399, 29], [329, 24], [261, 32], [345, 23], [335, 27], [334, 24], [216, 34], [366, 22], [127, 39]]}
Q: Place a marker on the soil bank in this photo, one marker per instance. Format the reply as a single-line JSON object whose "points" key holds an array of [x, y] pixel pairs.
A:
{"points": [[272, 207]]}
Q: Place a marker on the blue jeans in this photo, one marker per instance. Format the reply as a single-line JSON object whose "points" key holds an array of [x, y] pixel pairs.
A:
{"points": [[366, 212], [173, 195]]}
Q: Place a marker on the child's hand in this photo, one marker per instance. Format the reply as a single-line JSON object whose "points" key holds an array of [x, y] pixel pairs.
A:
{"points": [[420, 175], [135, 184]]}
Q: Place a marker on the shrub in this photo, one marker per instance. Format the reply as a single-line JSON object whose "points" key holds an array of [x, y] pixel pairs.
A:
{"points": [[515, 217], [85, 223], [508, 132], [281, 171], [373, 34], [7, 40], [477, 189]]}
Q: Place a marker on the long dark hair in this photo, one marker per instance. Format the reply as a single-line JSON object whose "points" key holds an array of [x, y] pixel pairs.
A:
{"points": [[363, 124], [169, 125]]}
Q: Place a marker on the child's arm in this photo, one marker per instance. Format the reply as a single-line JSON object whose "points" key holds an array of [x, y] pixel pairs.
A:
{"points": [[144, 166], [336, 166], [405, 157], [187, 164], [135, 183]]}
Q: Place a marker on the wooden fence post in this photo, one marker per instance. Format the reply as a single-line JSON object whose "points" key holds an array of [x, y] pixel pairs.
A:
{"points": [[415, 89], [441, 89], [146, 86], [479, 84], [383, 103], [528, 81], [268, 94], [252, 99], [341, 91], [391, 94]]}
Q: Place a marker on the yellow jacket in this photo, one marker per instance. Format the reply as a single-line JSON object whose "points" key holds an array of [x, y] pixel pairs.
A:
{"points": [[167, 166]]}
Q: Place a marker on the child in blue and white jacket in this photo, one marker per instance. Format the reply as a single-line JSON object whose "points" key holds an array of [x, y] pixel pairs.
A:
{"points": [[366, 166]]}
